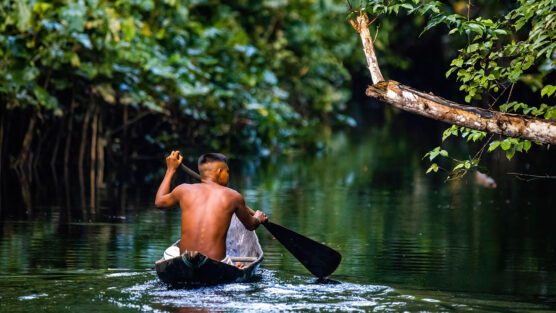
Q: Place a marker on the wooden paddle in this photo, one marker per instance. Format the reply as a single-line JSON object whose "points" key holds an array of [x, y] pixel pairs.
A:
{"points": [[319, 259]]}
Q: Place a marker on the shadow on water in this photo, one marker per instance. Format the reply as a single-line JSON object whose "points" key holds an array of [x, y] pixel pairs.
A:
{"points": [[409, 241]]}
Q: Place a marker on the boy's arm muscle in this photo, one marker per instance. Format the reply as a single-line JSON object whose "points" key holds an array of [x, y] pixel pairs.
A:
{"points": [[164, 198], [244, 215]]}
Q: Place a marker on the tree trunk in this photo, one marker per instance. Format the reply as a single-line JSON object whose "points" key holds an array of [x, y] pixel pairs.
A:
{"points": [[1, 141], [38, 152], [56, 146], [84, 132], [409, 99], [101, 142], [26, 146], [2, 114], [368, 48], [68, 139], [25, 192], [93, 170], [124, 135]]}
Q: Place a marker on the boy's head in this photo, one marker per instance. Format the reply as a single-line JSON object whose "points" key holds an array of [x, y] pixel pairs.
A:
{"points": [[214, 166]]}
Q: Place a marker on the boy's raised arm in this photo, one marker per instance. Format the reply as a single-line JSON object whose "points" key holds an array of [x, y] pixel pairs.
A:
{"points": [[164, 198]]}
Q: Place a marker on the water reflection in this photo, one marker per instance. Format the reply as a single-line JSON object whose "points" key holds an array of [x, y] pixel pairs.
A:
{"points": [[402, 233]]}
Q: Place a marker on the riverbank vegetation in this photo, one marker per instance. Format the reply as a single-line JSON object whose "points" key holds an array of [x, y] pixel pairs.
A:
{"points": [[103, 89], [102, 82]]}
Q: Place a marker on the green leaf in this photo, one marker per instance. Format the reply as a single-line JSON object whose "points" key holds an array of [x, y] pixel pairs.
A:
{"points": [[514, 75], [529, 60], [433, 155], [450, 71], [510, 153], [433, 167], [472, 48], [476, 28], [30, 73], [526, 145], [520, 24], [493, 145], [73, 16], [45, 98], [449, 132], [23, 16], [505, 145], [128, 28], [548, 90]]}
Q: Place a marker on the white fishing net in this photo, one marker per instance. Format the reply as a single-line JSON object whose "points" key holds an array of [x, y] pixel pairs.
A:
{"points": [[241, 242]]}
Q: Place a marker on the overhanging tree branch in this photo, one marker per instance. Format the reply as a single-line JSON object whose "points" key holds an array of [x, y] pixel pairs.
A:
{"points": [[411, 100]]}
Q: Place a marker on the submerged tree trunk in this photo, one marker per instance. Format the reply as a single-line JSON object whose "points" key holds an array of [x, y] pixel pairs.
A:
{"points": [[409, 99]]}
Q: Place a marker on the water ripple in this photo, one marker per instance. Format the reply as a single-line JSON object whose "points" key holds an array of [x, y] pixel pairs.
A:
{"points": [[269, 293]]}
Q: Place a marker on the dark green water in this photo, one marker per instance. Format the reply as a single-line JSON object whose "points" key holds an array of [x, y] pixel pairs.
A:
{"points": [[410, 242]]}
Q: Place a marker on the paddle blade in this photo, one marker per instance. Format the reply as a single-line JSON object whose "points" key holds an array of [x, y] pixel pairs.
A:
{"points": [[319, 259]]}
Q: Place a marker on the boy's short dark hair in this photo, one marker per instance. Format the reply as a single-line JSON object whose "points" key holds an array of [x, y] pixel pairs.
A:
{"points": [[211, 157]]}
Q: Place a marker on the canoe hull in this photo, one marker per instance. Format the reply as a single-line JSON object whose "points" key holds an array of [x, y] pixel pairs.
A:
{"points": [[241, 246], [177, 272]]}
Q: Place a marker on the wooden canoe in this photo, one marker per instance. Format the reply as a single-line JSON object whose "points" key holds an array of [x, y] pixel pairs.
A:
{"points": [[196, 269]]}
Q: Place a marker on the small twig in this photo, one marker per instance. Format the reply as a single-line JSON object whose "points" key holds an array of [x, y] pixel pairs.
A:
{"points": [[522, 176], [510, 94], [479, 153], [376, 35], [468, 9], [374, 19], [490, 106], [350, 7]]}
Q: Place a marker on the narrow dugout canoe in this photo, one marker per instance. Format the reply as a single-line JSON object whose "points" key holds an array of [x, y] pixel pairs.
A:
{"points": [[242, 246]]}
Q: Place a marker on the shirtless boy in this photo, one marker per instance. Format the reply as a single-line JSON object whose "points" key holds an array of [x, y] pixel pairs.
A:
{"points": [[207, 207]]}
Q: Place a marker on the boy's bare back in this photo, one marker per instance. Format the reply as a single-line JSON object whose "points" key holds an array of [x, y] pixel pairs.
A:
{"points": [[206, 208], [206, 212]]}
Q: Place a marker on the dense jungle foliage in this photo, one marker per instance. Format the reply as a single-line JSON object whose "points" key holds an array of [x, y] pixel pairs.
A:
{"points": [[104, 82], [136, 78]]}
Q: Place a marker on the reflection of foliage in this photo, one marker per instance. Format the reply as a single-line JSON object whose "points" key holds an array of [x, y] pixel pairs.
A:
{"points": [[498, 53], [240, 75]]}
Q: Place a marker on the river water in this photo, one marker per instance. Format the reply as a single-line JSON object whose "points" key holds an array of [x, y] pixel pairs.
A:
{"points": [[410, 241]]}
